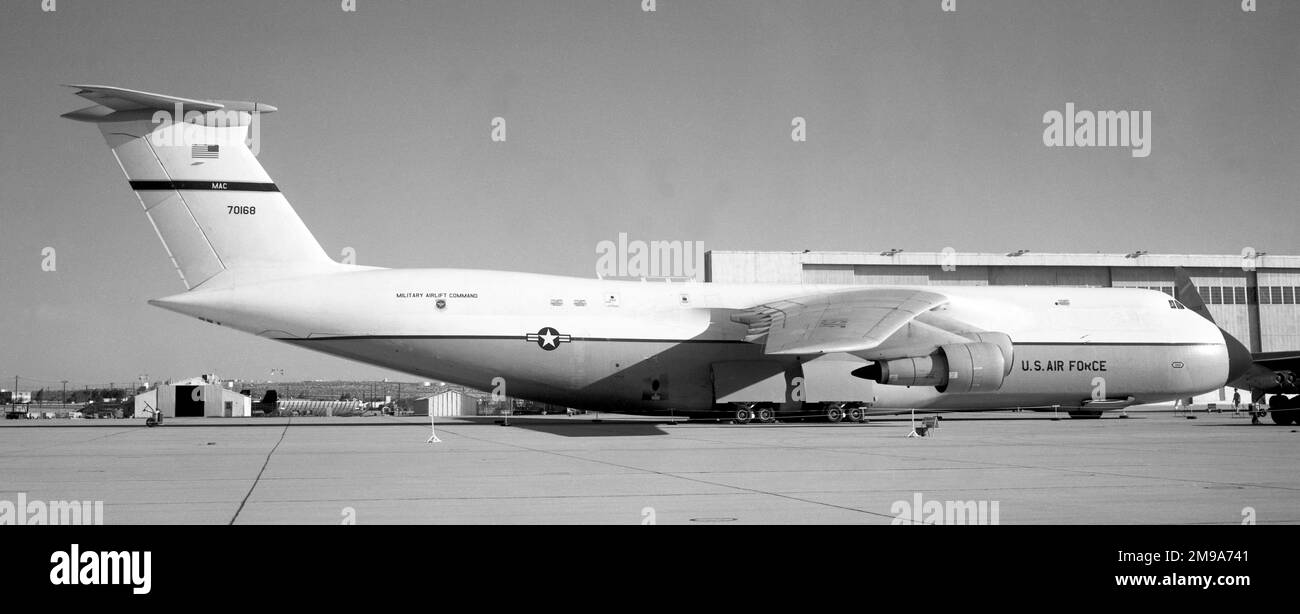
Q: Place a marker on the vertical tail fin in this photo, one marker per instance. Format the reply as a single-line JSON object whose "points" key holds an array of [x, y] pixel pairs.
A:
{"points": [[211, 202], [1187, 294], [1239, 358]]}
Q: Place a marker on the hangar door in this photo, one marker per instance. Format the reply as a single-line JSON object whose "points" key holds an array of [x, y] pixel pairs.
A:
{"points": [[188, 403]]}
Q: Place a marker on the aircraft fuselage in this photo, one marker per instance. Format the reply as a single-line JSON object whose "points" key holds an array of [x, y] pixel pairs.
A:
{"points": [[651, 347]]}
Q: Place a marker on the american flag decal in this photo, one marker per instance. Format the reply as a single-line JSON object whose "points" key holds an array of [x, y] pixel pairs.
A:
{"points": [[205, 151]]}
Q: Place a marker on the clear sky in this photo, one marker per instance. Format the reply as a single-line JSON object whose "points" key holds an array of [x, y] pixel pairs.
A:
{"points": [[924, 131]]}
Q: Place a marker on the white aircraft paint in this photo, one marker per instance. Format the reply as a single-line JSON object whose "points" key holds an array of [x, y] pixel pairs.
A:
{"points": [[250, 264]]}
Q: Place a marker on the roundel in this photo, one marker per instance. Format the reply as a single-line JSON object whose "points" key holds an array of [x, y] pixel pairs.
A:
{"points": [[548, 338]]}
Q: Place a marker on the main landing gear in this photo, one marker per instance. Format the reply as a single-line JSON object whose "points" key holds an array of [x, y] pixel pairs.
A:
{"points": [[748, 412], [837, 412], [765, 413], [1283, 410]]}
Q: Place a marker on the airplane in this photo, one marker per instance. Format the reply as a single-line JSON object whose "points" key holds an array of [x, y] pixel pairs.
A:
{"points": [[1267, 372], [745, 353]]}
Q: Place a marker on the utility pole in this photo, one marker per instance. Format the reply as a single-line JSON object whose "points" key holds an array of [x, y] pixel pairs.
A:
{"points": [[64, 399]]}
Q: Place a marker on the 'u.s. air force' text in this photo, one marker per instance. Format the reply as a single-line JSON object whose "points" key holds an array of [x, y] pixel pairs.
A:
{"points": [[1077, 366]]}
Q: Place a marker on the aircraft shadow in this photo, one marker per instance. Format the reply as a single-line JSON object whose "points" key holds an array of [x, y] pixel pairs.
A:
{"points": [[605, 429]]}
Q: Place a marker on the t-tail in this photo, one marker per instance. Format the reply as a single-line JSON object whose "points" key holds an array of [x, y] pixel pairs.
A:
{"points": [[211, 202], [1243, 371]]}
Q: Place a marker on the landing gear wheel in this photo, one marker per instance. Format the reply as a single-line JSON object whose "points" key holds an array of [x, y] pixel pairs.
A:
{"points": [[744, 415], [765, 415], [856, 414], [1283, 418], [835, 414]]}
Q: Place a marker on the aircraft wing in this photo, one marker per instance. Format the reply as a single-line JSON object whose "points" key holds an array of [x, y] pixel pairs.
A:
{"points": [[1278, 361], [835, 321]]}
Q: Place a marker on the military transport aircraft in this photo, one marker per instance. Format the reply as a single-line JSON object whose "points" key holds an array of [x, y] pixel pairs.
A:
{"points": [[1266, 373], [756, 352]]}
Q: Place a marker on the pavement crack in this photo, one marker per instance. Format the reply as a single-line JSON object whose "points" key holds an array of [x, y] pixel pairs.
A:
{"points": [[259, 473]]}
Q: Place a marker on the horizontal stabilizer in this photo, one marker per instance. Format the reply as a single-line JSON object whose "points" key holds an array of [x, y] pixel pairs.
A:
{"points": [[109, 100], [122, 99]]}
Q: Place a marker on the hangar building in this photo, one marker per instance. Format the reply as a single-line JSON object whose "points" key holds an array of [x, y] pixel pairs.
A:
{"points": [[1255, 299], [195, 397], [447, 403]]}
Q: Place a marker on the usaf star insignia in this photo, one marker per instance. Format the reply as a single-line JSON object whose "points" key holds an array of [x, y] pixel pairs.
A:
{"points": [[548, 338]]}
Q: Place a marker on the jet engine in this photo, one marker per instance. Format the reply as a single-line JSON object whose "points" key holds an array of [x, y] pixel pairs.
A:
{"points": [[958, 367], [1262, 379]]}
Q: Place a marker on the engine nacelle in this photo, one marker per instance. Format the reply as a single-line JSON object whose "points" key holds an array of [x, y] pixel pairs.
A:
{"points": [[974, 367], [958, 367], [1270, 381]]}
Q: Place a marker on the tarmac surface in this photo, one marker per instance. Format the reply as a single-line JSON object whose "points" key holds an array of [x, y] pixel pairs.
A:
{"points": [[1154, 468]]}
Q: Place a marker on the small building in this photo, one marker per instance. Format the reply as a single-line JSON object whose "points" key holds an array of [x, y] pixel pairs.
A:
{"points": [[11, 396], [446, 403], [193, 398]]}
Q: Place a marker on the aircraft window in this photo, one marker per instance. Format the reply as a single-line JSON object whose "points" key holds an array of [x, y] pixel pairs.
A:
{"points": [[1172, 305]]}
